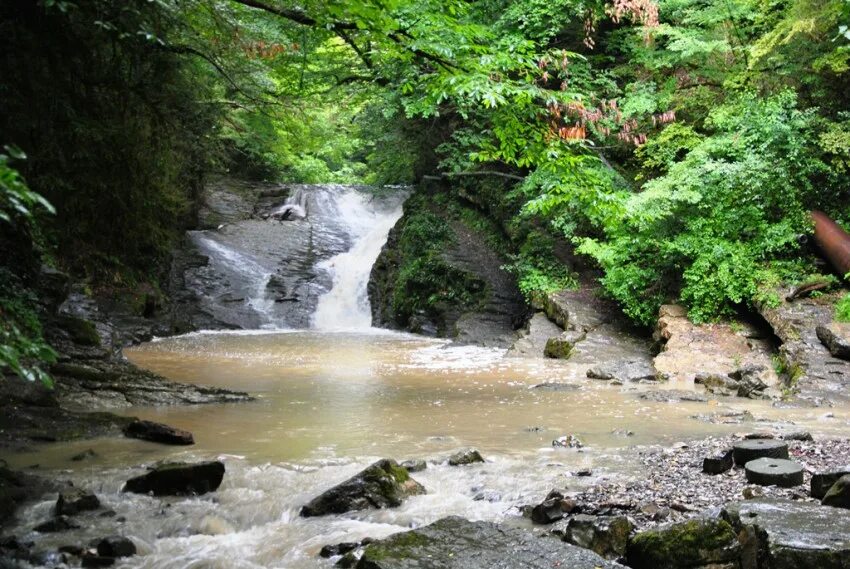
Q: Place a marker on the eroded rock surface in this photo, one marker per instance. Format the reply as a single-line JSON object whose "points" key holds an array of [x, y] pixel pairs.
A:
{"points": [[455, 543]]}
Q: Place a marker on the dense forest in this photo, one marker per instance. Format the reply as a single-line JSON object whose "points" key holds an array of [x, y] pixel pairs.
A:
{"points": [[679, 145]]}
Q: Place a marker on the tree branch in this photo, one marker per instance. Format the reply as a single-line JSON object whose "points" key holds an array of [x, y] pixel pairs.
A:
{"points": [[294, 15]]}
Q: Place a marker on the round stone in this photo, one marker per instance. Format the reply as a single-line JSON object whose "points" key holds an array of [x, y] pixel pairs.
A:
{"points": [[774, 472], [748, 450]]}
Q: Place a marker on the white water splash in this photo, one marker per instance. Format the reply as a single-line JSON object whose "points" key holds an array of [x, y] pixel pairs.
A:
{"points": [[346, 305]]}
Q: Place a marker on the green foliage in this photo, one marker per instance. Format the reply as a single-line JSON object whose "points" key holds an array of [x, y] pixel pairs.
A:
{"points": [[537, 269], [842, 309], [17, 202]]}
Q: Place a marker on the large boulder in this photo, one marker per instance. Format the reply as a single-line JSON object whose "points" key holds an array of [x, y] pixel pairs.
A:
{"points": [[792, 534], [836, 337], [839, 495], [694, 543], [384, 484], [158, 433], [455, 543], [178, 479], [607, 536]]}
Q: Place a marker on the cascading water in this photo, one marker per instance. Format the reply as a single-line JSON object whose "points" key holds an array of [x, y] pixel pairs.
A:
{"points": [[346, 304], [299, 263]]}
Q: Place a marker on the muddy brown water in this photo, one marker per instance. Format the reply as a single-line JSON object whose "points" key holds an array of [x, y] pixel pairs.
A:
{"points": [[330, 403]]}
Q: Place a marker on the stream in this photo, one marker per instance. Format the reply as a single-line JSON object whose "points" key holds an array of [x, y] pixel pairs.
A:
{"points": [[332, 398]]}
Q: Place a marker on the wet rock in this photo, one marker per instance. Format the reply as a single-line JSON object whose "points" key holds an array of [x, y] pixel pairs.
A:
{"points": [[73, 500], [562, 346], [774, 472], [747, 450], [606, 536], [348, 560], [455, 543], [85, 455], [116, 546], [552, 509], [71, 549], [16, 488], [694, 543], [673, 396], [836, 337], [717, 384], [338, 549], [568, 441], [624, 371], [97, 561], [57, 524], [531, 341], [557, 386], [384, 484], [838, 495], [823, 481], [464, 457], [718, 464], [416, 465], [794, 534], [751, 381], [178, 479], [158, 433]]}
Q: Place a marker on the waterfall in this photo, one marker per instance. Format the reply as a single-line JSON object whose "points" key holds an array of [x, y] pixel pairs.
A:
{"points": [[346, 304]]}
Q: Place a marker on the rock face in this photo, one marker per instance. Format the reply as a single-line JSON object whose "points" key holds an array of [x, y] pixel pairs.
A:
{"points": [[816, 377], [774, 472], [839, 494], [689, 350], [836, 337], [384, 484], [178, 479], [455, 543], [158, 433], [532, 339], [73, 500]]}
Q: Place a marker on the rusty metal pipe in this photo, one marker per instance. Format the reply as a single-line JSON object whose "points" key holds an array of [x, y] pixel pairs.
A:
{"points": [[833, 241]]}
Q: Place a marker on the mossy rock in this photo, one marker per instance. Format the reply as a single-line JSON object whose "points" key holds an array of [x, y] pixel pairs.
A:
{"points": [[693, 543], [82, 331], [384, 484]]}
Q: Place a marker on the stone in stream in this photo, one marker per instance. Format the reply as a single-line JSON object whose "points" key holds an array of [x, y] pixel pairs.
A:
{"points": [[416, 465], [745, 451], [836, 337], [624, 371], [338, 549], [73, 500], [158, 433], [384, 484], [59, 523], [562, 346], [838, 495], [606, 536], [718, 464], [774, 472], [97, 561], [751, 381], [695, 543], [178, 479], [552, 508], [568, 441], [455, 543], [823, 481], [116, 546], [464, 457]]}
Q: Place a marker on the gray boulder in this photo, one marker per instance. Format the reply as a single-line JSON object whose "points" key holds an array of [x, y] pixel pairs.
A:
{"points": [[607, 536], [116, 546], [414, 465], [823, 481], [178, 479], [836, 337], [464, 457], [839, 495], [455, 543], [623, 371], [73, 500], [384, 484]]}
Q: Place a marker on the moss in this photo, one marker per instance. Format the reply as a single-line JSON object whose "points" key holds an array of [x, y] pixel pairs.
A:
{"points": [[688, 544], [558, 348], [82, 331], [399, 473], [405, 545]]}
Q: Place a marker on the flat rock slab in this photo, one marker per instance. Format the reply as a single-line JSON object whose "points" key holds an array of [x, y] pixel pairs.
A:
{"points": [[751, 449], [706, 349], [455, 543], [158, 433], [797, 535], [383, 484], [178, 479], [774, 472]]}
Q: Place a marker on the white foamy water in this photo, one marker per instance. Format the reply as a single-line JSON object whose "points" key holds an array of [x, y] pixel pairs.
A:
{"points": [[346, 305]]}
